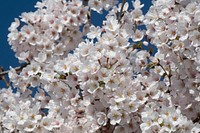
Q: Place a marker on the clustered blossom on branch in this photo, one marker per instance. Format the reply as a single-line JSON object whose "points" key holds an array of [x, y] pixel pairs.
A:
{"points": [[174, 28], [82, 78]]}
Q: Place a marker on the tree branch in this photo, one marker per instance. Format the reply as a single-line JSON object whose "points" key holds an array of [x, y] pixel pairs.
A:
{"points": [[168, 75], [3, 73], [4, 78], [121, 11]]}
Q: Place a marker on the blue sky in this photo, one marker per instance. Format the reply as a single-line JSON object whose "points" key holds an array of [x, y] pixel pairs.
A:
{"points": [[10, 9]]}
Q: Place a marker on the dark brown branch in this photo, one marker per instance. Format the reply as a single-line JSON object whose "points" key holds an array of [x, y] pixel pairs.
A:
{"points": [[121, 11], [168, 74], [3, 73], [4, 77], [85, 3]]}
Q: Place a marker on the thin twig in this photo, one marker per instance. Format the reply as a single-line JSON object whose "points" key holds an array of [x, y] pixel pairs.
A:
{"points": [[3, 73], [85, 3], [89, 14], [121, 11], [168, 75], [4, 78]]}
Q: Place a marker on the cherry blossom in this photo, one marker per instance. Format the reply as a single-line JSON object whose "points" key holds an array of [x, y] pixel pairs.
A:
{"points": [[78, 77]]}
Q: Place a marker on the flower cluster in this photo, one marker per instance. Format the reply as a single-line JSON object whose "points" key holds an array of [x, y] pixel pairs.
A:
{"points": [[159, 118], [47, 35], [174, 27], [112, 81], [99, 5], [51, 31]]}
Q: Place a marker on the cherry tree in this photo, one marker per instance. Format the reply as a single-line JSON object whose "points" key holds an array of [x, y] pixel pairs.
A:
{"points": [[80, 78]]}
